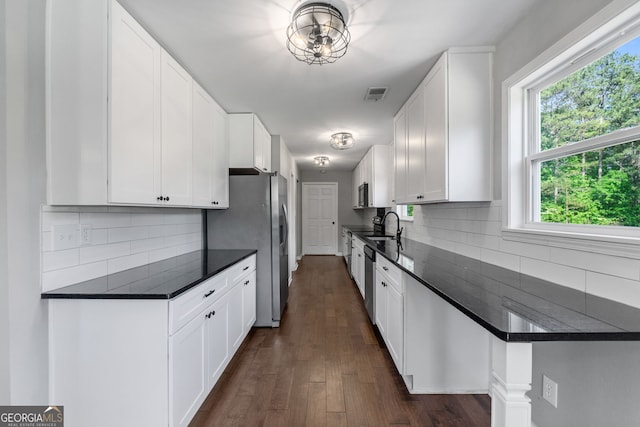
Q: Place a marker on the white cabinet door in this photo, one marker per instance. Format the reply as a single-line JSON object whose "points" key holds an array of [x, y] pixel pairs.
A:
{"points": [[356, 184], [435, 95], [262, 146], [217, 321], [220, 162], [134, 104], [395, 326], [187, 371], [415, 147], [176, 107], [400, 147], [235, 316], [210, 155], [381, 302], [248, 302]]}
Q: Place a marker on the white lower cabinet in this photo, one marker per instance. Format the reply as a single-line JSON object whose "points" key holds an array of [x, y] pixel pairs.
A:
{"points": [[390, 309], [151, 362], [357, 258]]}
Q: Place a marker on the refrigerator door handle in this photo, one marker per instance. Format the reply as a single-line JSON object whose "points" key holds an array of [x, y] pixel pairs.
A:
{"points": [[285, 216]]}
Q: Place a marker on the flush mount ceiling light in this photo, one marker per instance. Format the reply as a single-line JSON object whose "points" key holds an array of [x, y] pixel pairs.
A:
{"points": [[341, 141], [321, 161], [317, 34]]}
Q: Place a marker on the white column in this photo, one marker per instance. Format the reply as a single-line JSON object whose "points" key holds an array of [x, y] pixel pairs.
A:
{"points": [[511, 379]]}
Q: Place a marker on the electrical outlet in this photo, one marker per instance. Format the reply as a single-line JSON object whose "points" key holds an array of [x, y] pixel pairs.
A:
{"points": [[85, 234], [65, 237], [550, 390]]}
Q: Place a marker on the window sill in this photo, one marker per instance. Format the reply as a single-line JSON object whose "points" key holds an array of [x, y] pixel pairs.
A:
{"points": [[628, 247], [406, 219]]}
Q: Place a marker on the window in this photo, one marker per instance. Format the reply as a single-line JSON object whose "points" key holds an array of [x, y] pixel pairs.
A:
{"points": [[405, 212], [572, 134], [584, 153]]}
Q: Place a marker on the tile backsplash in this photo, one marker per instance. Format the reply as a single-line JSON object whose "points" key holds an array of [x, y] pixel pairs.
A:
{"points": [[475, 230], [120, 238]]}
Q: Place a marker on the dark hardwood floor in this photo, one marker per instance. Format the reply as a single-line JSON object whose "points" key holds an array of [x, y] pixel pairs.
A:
{"points": [[325, 366]]}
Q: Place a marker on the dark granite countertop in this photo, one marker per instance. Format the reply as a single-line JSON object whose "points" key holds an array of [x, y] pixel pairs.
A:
{"points": [[512, 306], [159, 280]]}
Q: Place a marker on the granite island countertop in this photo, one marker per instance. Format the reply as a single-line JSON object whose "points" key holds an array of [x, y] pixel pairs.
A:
{"points": [[164, 279], [512, 306]]}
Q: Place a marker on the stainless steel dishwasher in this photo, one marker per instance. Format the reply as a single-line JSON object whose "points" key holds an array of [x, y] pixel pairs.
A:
{"points": [[370, 282]]}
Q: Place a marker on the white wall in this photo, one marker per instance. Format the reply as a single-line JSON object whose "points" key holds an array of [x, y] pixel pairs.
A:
{"points": [[121, 238], [4, 288], [23, 190]]}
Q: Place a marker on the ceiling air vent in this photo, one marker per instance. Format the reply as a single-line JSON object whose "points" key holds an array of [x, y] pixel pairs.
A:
{"points": [[375, 93]]}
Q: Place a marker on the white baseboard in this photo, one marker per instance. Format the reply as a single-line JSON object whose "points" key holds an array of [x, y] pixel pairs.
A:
{"points": [[339, 254], [299, 257]]}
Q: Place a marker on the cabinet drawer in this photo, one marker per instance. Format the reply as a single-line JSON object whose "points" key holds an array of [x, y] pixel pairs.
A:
{"points": [[393, 272], [183, 308], [240, 269]]}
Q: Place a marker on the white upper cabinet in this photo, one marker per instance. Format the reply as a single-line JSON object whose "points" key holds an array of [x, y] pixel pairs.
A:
{"points": [[447, 124], [120, 123], [210, 152], [375, 170], [249, 143], [400, 155], [134, 160], [176, 118]]}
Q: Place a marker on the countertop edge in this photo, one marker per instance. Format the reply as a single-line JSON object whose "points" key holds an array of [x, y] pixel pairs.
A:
{"points": [[522, 337], [151, 296]]}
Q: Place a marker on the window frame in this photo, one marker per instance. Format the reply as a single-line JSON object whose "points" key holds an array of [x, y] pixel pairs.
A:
{"points": [[401, 211], [613, 26]]}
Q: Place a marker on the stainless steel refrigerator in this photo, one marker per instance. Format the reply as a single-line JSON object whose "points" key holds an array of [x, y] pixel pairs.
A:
{"points": [[257, 219]]}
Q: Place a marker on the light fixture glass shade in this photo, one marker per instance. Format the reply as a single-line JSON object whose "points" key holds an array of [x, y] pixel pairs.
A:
{"points": [[321, 161], [317, 34], [341, 140]]}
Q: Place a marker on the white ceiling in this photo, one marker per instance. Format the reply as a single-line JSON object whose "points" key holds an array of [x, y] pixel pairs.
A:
{"points": [[236, 50]]}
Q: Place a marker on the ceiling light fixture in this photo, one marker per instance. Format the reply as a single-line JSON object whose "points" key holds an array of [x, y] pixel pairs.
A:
{"points": [[321, 161], [317, 34], [341, 141]]}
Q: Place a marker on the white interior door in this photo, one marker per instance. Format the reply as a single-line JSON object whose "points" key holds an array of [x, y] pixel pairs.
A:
{"points": [[320, 218]]}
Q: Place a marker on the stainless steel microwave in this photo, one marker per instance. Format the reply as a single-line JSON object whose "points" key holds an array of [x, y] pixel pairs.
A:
{"points": [[363, 195]]}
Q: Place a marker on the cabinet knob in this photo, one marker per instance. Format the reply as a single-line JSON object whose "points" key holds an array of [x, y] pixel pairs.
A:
{"points": [[210, 314], [264, 169], [385, 268], [208, 294], [166, 198], [246, 268], [159, 198], [246, 283]]}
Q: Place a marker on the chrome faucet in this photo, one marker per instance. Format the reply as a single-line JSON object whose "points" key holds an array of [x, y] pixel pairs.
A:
{"points": [[398, 228]]}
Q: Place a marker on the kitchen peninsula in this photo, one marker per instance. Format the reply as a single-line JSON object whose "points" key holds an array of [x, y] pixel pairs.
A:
{"points": [[501, 314]]}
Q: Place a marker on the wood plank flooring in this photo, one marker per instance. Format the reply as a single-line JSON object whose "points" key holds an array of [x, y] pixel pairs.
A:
{"points": [[325, 366]]}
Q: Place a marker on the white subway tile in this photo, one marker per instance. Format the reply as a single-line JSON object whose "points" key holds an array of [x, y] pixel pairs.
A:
{"points": [[606, 264], [60, 259], [147, 245], [106, 220], [47, 241], [484, 241], [189, 228], [58, 218], [147, 219], [501, 259], [492, 213], [124, 234], [540, 252], [469, 251], [103, 252], [162, 230], [615, 288], [67, 276], [561, 274], [124, 263], [99, 236]]}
